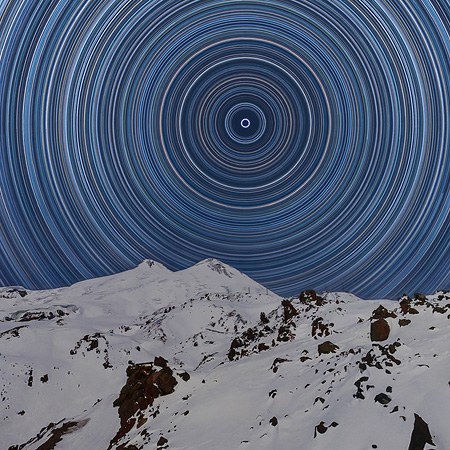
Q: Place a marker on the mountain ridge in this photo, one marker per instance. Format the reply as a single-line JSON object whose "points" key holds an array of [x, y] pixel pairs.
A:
{"points": [[208, 358]]}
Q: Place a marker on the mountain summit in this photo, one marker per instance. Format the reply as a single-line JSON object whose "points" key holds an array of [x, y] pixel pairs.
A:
{"points": [[206, 358]]}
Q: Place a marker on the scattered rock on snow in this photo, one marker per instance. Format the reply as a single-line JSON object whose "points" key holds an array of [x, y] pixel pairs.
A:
{"points": [[382, 398]]}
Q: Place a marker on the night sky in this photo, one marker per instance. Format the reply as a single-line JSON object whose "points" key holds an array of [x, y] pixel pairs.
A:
{"points": [[305, 143]]}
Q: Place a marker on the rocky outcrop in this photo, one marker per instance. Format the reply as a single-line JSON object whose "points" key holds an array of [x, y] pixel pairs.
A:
{"points": [[53, 433], [382, 313], [311, 298], [319, 328], [420, 435], [288, 310], [406, 306], [144, 384]]}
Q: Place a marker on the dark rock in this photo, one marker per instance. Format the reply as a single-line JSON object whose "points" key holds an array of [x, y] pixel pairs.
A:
{"points": [[285, 333], [404, 322], [44, 378], [58, 433], [184, 376], [288, 310], [162, 441], [382, 313], [379, 330], [420, 435], [277, 362], [319, 328], [359, 392], [405, 304], [420, 297], [262, 347], [382, 398], [321, 428], [311, 297], [273, 421], [263, 318], [327, 347], [30, 378], [144, 384], [160, 361], [250, 334], [235, 343], [93, 344]]}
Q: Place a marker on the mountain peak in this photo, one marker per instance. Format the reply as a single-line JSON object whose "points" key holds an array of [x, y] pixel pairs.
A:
{"points": [[217, 266], [151, 264]]}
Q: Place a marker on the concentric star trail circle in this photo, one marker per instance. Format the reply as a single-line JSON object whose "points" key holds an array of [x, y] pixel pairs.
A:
{"points": [[304, 142]]}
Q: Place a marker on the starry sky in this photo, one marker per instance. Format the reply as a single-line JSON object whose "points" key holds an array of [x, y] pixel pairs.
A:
{"points": [[305, 143]]}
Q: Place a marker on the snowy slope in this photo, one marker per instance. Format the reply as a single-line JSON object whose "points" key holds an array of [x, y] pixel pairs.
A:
{"points": [[240, 367]]}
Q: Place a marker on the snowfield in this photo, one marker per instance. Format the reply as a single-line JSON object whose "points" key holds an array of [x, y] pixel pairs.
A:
{"points": [[206, 358]]}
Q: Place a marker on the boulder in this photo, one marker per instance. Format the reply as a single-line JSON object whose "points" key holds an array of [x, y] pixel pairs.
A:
{"points": [[420, 435], [327, 347], [379, 330]]}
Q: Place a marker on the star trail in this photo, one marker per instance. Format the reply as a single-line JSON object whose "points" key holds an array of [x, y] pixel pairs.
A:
{"points": [[306, 143]]}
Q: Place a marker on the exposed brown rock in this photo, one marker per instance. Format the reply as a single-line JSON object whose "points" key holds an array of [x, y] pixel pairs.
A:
{"points": [[162, 441], [382, 313], [160, 361], [420, 435], [144, 384], [406, 305], [327, 347], [58, 433], [404, 322], [379, 330]]}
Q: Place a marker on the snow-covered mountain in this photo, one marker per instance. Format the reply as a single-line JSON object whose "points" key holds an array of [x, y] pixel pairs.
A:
{"points": [[206, 358]]}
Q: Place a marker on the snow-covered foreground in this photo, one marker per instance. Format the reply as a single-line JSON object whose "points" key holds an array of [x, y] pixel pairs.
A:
{"points": [[206, 358]]}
